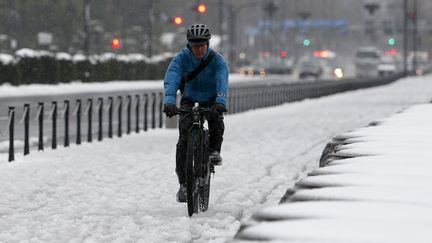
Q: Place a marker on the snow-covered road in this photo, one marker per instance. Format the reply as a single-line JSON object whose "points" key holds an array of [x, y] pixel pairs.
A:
{"points": [[123, 190]]}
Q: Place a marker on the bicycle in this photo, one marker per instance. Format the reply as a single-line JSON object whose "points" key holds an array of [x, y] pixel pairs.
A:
{"points": [[198, 166]]}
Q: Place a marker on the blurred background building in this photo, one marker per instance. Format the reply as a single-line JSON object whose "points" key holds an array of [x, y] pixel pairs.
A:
{"points": [[243, 30]]}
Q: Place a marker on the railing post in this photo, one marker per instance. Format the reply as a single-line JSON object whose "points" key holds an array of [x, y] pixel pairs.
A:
{"points": [[26, 128], [89, 120], [40, 118], [100, 118], [119, 116], [145, 112], [110, 116], [137, 105], [78, 121], [66, 123], [153, 110], [128, 114], [160, 109], [11, 114], [54, 125]]}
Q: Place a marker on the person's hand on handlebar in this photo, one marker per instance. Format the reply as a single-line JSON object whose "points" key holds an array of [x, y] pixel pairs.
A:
{"points": [[170, 110], [218, 108]]}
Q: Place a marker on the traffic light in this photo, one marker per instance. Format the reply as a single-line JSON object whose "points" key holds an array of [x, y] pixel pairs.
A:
{"points": [[392, 52], [391, 41], [306, 42], [115, 43], [201, 8], [178, 20]]}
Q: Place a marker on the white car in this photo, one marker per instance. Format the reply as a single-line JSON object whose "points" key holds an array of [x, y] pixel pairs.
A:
{"points": [[367, 60], [388, 66]]}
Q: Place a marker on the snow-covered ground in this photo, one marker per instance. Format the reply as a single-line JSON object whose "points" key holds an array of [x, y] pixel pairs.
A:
{"points": [[123, 189], [380, 192]]}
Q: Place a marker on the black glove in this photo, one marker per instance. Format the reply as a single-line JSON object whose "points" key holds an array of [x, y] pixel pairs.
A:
{"points": [[218, 108], [170, 110]]}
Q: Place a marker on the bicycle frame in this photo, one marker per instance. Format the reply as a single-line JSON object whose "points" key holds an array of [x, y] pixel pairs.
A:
{"points": [[198, 168]]}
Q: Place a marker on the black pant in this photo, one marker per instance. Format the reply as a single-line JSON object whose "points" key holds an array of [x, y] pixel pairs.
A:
{"points": [[216, 130]]}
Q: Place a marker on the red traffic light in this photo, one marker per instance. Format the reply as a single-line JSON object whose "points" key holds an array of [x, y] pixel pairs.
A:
{"points": [[178, 20], [392, 52], [115, 43], [201, 8]]}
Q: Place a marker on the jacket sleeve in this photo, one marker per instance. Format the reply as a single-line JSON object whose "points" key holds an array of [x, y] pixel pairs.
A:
{"points": [[222, 82], [172, 80]]}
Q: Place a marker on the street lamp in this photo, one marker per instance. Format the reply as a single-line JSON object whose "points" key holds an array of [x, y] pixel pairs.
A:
{"points": [[414, 19], [412, 15], [303, 15], [405, 36], [270, 8], [371, 7]]}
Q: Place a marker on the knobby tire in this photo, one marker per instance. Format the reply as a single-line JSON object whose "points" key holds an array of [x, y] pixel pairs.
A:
{"points": [[207, 169], [204, 193], [191, 184]]}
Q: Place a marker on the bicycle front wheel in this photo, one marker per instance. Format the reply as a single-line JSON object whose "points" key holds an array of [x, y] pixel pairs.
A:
{"points": [[191, 178], [206, 170], [204, 191]]}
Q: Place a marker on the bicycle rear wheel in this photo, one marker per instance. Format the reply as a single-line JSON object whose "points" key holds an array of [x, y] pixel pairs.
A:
{"points": [[191, 178]]}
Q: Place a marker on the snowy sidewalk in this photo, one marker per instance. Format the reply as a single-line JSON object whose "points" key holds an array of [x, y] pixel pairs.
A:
{"points": [[376, 187], [123, 189]]}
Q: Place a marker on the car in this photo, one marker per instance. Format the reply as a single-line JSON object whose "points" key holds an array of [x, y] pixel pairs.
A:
{"points": [[263, 67], [310, 68], [276, 66], [388, 66], [333, 68], [367, 60]]}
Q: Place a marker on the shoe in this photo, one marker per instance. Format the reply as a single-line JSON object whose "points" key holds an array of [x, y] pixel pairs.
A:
{"points": [[215, 158], [181, 194]]}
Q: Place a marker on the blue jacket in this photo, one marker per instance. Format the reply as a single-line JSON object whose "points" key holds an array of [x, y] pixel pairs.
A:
{"points": [[211, 82]]}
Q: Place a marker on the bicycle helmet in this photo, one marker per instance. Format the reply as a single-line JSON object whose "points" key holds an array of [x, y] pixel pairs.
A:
{"points": [[198, 34]]}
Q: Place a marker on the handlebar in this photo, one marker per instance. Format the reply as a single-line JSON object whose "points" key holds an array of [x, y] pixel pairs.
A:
{"points": [[199, 109]]}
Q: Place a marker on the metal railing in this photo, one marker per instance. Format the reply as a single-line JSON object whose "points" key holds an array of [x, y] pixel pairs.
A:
{"points": [[148, 107], [246, 96], [115, 113]]}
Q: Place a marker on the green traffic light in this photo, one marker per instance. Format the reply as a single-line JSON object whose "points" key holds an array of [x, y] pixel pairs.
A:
{"points": [[306, 42], [391, 41]]}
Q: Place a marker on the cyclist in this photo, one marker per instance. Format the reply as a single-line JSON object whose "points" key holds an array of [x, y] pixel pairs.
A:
{"points": [[209, 88]]}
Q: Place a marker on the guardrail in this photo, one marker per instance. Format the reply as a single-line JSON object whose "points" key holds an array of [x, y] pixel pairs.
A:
{"points": [[246, 96], [148, 106], [143, 110]]}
